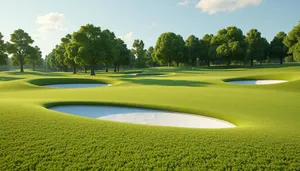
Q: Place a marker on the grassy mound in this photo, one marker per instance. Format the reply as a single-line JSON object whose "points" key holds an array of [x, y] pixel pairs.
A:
{"points": [[267, 135]]}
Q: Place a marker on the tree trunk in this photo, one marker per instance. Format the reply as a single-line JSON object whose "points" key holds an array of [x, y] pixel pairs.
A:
{"points": [[74, 69], [92, 70], [281, 60], [261, 62], [228, 62], [33, 67], [115, 68], [208, 63], [21, 65], [85, 69], [251, 62], [106, 68], [118, 68], [177, 63]]}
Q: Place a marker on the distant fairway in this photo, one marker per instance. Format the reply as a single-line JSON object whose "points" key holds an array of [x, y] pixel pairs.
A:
{"points": [[267, 117]]}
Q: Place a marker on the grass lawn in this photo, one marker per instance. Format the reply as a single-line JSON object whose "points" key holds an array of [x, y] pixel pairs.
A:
{"points": [[267, 136]]}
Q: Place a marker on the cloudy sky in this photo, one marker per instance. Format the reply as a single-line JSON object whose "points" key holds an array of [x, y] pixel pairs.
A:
{"points": [[49, 20]]}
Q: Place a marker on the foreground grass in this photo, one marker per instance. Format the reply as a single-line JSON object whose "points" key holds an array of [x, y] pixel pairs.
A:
{"points": [[267, 118]]}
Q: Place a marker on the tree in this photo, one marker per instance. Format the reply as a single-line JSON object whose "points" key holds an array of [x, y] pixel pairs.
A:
{"points": [[122, 54], [150, 60], [91, 52], [3, 54], [277, 47], [255, 45], [206, 47], [109, 43], [140, 52], [228, 44], [20, 46], [72, 49], [292, 41], [266, 49], [193, 49], [169, 47], [35, 57]]}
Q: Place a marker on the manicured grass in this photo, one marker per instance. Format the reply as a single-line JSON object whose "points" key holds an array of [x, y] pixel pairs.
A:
{"points": [[267, 117]]}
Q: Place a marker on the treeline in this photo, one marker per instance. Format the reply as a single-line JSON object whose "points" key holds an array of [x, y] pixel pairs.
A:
{"points": [[21, 50], [91, 47]]}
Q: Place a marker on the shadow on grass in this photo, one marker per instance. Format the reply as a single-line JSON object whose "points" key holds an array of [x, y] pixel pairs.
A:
{"points": [[162, 82], [36, 73], [9, 78]]}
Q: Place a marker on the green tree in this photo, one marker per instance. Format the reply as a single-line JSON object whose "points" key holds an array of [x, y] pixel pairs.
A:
{"points": [[122, 56], [278, 50], [292, 41], [255, 46], [3, 54], [109, 43], [169, 48], [20, 46], [149, 57], [206, 47], [91, 51], [140, 53], [193, 49], [35, 57], [72, 49], [228, 44]]}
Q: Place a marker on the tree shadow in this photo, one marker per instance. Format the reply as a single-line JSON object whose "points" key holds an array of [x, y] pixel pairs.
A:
{"points": [[163, 82], [35, 73], [9, 78]]}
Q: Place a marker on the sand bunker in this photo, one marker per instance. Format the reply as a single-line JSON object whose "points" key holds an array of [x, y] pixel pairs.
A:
{"points": [[76, 85], [257, 82], [143, 116]]}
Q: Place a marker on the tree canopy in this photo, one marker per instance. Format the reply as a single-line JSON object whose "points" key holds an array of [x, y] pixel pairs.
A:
{"points": [[20, 47], [3, 53]]}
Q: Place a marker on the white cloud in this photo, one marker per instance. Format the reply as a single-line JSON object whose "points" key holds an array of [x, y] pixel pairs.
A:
{"points": [[127, 37], [214, 6], [51, 22], [186, 2]]}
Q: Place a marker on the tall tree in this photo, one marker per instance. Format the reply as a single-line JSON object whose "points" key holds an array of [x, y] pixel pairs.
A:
{"points": [[278, 50], [35, 57], [169, 48], [255, 45], [140, 53], [149, 56], [20, 46], [292, 41], [122, 56], [91, 52], [193, 49], [109, 44], [228, 44], [3, 54], [266, 51], [205, 48]]}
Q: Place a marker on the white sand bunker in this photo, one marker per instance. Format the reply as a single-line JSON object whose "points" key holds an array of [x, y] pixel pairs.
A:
{"points": [[143, 116], [83, 85], [257, 82]]}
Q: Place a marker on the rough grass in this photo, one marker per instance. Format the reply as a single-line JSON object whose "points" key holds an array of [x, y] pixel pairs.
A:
{"points": [[267, 136]]}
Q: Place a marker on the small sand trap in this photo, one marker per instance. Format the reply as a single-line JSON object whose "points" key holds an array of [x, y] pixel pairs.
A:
{"points": [[76, 85], [257, 82], [143, 116]]}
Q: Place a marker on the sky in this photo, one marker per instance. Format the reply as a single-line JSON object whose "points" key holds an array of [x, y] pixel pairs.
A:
{"points": [[47, 21]]}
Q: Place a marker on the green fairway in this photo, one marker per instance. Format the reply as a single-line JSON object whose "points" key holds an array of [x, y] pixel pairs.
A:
{"points": [[267, 136]]}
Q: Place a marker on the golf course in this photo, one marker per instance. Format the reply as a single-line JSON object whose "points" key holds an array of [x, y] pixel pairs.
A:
{"points": [[266, 135]]}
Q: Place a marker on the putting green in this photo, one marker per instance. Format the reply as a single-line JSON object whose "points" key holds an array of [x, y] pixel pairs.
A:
{"points": [[267, 117]]}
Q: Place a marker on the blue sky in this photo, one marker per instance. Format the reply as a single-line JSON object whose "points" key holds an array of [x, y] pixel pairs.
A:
{"points": [[49, 20]]}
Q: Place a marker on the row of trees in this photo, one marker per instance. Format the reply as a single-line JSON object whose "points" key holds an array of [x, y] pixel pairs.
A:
{"points": [[21, 49], [88, 47], [229, 44]]}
